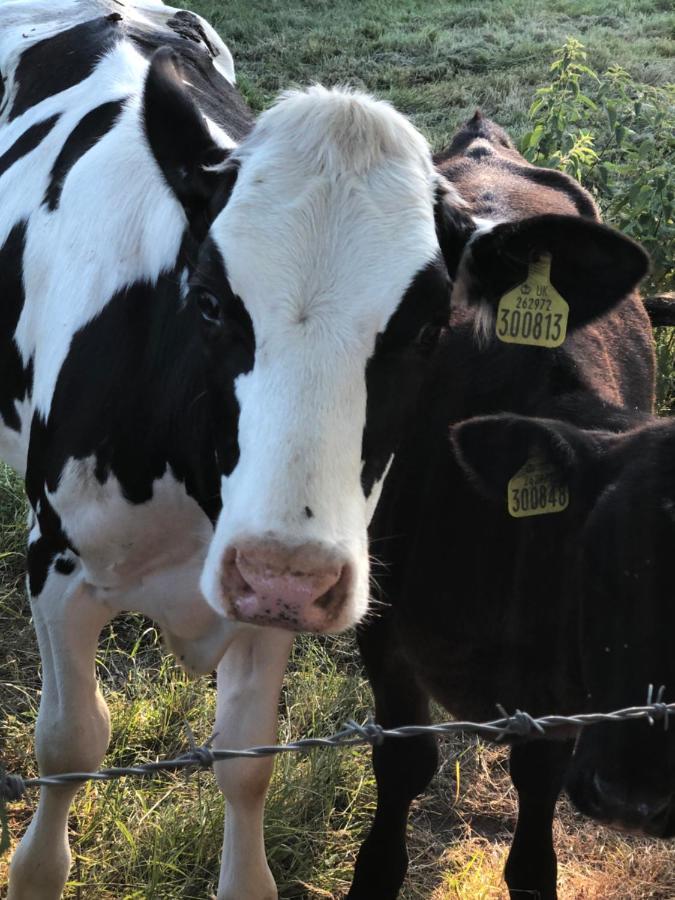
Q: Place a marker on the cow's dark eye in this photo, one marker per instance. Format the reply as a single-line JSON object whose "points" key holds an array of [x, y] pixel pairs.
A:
{"points": [[210, 308], [429, 335]]}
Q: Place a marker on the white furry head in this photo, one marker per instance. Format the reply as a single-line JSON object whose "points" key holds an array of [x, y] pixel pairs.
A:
{"points": [[336, 131], [329, 223]]}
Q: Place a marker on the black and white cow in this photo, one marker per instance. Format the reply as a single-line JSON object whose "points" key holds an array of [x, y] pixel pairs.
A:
{"points": [[478, 611], [208, 352]]}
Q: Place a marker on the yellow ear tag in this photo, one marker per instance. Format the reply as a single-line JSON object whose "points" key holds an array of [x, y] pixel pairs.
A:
{"points": [[535, 490], [533, 313]]}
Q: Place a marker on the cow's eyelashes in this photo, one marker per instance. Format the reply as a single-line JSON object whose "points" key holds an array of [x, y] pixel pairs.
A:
{"points": [[210, 308]]}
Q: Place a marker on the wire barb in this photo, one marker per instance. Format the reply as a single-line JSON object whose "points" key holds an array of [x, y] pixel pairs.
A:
{"points": [[660, 708], [370, 731], [519, 725]]}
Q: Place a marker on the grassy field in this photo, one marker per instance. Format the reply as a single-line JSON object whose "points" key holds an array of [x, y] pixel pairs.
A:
{"points": [[160, 840]]}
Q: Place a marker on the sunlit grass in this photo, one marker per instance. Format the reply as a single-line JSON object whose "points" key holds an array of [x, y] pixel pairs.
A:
{"points": [[159, 839]]}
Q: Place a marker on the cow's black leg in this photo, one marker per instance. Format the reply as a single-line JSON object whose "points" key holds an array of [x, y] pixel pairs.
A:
{"points": [[403, 767], [538, 772]]}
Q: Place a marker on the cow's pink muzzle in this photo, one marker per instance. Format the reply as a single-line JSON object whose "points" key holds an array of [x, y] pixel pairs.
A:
{"points": [[302, 589]]}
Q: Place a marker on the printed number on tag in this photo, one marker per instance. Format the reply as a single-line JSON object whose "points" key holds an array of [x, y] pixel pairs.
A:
{"points": [[533, 313], [535, 491]]}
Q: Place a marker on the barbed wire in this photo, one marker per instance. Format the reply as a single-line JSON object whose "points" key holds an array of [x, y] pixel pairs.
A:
{"points": [[519, 725]]}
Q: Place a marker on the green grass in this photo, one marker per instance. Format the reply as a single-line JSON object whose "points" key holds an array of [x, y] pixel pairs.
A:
{"points": [[160, 839], [435, 60]]}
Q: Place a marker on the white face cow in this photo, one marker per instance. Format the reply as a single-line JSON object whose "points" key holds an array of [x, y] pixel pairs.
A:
{"points": [[184, 322], [318, 277]]}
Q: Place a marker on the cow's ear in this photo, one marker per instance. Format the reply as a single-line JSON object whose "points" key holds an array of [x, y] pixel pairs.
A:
{"points": [[491, 449], [593, 266], [179, 137], [454, 225]]}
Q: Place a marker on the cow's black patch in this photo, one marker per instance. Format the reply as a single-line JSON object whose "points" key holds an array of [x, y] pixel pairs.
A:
{"points": [[479, 151], [143, 390], [187, 25], [52, 541], [180, 139], [215, 96], [64, 565], [479, 127], [15, 378], [229, 347], [559, 182], [132, 394], [60, 62], [28, 141], [86, 134], [454, 227], [395, 372]]}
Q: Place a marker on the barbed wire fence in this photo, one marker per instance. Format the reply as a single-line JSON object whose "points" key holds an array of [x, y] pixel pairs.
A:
{"points": [[199, 757]]}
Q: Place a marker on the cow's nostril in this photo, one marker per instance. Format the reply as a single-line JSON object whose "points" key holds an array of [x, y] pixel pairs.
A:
{"points": [[326, 600]]}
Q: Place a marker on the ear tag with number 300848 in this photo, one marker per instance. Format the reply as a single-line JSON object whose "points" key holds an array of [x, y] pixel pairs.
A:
{"points": [[535, 490], [533, 313]]}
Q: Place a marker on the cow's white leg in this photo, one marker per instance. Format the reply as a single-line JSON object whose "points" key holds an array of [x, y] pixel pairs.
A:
{"points": [[249, 682], [72, 733]]}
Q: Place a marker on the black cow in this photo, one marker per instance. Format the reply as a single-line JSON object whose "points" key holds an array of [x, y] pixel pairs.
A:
{"points": [[619, 593], [476, 610]]}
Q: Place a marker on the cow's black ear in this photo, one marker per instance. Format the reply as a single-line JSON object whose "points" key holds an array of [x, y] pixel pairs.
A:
{"points": [[454, 225], [178, 135], [593, 266], [491, 449]]}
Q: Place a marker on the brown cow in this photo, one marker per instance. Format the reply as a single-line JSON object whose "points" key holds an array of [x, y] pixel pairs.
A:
{"points": [[476, 608]]}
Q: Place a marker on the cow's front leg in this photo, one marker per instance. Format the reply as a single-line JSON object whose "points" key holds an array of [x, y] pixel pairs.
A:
{"points": [[249, 682], [72, 732], [537, 771], [403, 767]]}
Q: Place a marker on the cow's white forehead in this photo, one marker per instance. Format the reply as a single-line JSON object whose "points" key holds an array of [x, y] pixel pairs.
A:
{"points": [[336, 130], [333, 211]]}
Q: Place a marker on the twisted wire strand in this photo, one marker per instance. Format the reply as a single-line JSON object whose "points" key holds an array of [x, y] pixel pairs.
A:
{"points": [[520, 724]]}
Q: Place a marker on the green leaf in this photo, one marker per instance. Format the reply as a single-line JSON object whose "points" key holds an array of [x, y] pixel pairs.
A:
{"points": [[587, 101], [536, 106]]}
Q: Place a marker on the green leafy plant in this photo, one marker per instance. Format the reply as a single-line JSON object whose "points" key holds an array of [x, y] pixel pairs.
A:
{"points": [[617, 136]]}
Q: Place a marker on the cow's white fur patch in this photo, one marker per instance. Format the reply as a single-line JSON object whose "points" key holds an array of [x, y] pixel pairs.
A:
{"points": [[331, 217], [14, 444], [484, 320], [146, 557], [376, 490]]}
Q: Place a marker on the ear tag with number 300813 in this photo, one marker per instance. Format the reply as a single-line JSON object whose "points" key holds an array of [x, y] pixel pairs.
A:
{"points": [[535, 490], [533, 313]]}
